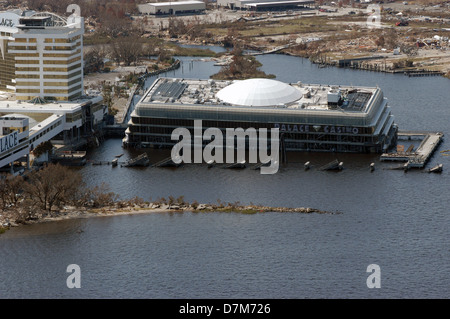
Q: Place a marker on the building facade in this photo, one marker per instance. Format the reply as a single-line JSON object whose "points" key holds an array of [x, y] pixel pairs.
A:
{"points": [[41, 71], [309, 117], [48, 58], [14, 145], [8, 27], [265, 5], [172, 8]]}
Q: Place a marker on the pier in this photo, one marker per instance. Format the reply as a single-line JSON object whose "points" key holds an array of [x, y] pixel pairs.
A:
{"points": [[423, 73], [419, 157], [167, 162], [70, 158]]}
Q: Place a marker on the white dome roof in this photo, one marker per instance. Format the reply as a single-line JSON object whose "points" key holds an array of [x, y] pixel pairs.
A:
{"points": [[258, 92]]}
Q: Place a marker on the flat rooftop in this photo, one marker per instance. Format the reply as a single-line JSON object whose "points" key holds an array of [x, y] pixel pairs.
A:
{"points": [[8, 104], [310, 96], [174, 3]]}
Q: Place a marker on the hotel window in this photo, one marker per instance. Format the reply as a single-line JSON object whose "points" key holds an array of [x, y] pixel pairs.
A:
{"points": [[27, 61], [62, 76], [57, 55], [25, 69], [74, 60], [74, 81], [55, 69], [61, 91], [75, 88], [27, 83], [55, 62], [28, 91], [55, 91], [27, 55], [73, 67], [55, 84], [74, 96], [63, 83]]}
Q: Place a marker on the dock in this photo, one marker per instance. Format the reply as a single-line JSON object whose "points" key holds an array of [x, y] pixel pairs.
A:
{"points": [[423, 73], [260, 164], [70, 158], [334, 165], [167, 162], [141, 160], [238, 165], [419, 157]]}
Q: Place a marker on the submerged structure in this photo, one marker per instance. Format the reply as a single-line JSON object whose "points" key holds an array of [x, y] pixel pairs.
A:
{"points": [[310, 117]]}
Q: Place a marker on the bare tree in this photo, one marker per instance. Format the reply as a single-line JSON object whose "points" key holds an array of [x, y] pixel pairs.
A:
{"points": [[94, 60], [98, 196], [10, 190], [52, 185], [127, 50]]}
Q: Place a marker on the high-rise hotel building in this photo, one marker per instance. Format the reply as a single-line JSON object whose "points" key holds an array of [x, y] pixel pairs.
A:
{"points": [[48, 57], [8, 22], [41, 85]]}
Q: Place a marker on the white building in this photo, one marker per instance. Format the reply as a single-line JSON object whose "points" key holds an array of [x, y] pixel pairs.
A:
{"points": [[48, 57], [255, 5], [42, 56], [8, 27], [14, 132], [175, 7], [62, 123]]}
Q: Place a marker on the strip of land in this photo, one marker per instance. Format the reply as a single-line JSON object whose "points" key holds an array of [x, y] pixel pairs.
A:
{"points": [[12, 219]]}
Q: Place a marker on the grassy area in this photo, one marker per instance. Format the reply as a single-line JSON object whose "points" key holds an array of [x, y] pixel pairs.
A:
{"points": [[194, 52], [95, 39], [270, 28]]}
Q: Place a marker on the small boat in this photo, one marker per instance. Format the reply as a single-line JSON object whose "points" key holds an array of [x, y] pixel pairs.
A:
{"points": [[307, 165], [436, 169], [406, 167], [120, 155]]}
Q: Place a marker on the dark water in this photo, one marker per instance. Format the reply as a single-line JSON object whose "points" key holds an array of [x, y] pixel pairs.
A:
{"points": [[399, 221]]}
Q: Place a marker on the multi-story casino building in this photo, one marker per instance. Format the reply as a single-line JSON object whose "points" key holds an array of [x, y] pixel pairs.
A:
{"points": [[310, 117]]}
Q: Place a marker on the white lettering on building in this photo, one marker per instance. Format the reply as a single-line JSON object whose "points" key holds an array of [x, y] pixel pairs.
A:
{"points": [[9, 141]]}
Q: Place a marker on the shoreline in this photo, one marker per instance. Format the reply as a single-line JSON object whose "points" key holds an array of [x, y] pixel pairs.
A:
{"points": [[79, 213], [371, 64]]}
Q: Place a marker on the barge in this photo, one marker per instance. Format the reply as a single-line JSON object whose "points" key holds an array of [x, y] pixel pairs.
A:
{"points": [[310, 117]]}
